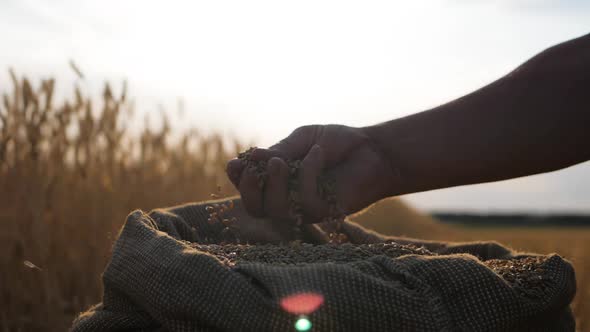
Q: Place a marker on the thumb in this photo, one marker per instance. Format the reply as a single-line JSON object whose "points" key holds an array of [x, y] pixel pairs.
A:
{"points": [[293, 147], [297, 144]]}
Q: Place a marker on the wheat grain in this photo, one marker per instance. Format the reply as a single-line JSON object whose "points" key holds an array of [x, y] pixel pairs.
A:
{"points": [[325, 188]]}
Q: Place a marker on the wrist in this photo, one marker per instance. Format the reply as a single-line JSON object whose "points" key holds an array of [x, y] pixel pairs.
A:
{"points": [[378, 135]]}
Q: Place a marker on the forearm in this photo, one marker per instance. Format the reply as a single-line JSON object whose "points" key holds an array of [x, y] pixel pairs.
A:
{"points": [[534, 120]]}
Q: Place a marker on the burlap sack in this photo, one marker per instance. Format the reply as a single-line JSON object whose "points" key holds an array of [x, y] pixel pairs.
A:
{"points": [[167, 274]]}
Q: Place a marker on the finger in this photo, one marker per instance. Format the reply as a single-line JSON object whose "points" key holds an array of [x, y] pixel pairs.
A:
{"points": [[259, 154], [276, 192], [234, 170], [313, 205], [337, 142], [296, 145], [251, 193], [347, 174]]}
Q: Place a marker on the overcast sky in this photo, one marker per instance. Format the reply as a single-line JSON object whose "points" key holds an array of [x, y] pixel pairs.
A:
{"points": [[258, 69]]}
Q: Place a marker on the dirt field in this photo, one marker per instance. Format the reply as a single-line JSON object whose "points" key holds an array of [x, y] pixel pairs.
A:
{"points": [[70, 173]]}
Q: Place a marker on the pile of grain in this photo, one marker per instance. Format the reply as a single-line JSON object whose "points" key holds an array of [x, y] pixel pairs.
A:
{"points": [[230, 254], [525, 275]]}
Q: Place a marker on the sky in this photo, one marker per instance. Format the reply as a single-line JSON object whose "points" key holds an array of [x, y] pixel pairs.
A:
{"points": [[256, 70]]}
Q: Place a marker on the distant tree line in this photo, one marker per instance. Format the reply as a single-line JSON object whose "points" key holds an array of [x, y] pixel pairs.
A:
{"points": [[516, 220]]}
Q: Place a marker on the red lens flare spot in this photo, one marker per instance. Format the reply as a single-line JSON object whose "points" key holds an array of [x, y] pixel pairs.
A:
{"points": [[302, 303]]}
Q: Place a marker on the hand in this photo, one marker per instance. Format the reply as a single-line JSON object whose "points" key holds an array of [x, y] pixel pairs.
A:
{"points": [[265, 230], [249, 229], [348, 156]]}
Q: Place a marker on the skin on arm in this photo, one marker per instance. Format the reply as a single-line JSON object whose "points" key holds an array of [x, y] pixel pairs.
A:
{"points": [[535, 119]]}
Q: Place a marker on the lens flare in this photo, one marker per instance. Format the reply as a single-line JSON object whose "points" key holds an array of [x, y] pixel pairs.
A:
{"points": [[302, 303], [303, 324]]}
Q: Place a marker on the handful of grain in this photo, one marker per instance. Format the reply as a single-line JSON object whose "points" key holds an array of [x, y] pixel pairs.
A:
{"points": [[325, 188]]}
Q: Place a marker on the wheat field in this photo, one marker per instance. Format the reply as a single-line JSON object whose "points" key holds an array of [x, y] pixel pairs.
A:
{"points": [[70, 172]]}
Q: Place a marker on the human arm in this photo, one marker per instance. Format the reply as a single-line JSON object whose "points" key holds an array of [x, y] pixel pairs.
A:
{"points": [[533, 120]]}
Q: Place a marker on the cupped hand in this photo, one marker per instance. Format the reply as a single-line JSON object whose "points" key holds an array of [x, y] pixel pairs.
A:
{"points": [[348, 156]]}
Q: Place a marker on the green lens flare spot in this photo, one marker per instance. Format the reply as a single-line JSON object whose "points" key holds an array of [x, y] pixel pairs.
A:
{"points": [[303, 324]]}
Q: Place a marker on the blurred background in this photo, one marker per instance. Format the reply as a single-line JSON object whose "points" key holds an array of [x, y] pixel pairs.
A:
{"points": [[191, 83]]}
